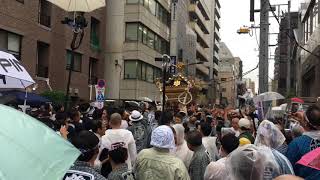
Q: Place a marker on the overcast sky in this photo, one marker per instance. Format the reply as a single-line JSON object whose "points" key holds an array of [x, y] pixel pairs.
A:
{"points": [[234, 14]]}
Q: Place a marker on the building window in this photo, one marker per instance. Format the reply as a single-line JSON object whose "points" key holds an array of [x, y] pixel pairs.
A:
{"points": [[131, 32], [93, 69], [43, 59], [139, 32], [139, 70], [223, 89], [44, 13], [316, 16], [94, 34], [76, 63], [156, 73], [150, 39], [11, 43], [20, 1], [223, 79], [144, 35], [130, 69], [150, 73], [136, 69], [146, 3], [152, 6], [157, 43], [132, 1], [144, 71], [155, 8]]}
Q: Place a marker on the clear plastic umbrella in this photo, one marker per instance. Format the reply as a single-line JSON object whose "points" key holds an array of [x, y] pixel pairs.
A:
{"points": [[79, 5], [267, 96], [31, 150]]}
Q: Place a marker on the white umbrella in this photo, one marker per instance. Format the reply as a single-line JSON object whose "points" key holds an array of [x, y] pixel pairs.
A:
{"points": [[145, 99], [12, 74], [79, 5], [267, 96]]}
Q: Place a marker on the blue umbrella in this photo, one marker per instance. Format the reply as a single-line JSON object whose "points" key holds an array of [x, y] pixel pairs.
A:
{"points": [[31, 150], [31, 99]]}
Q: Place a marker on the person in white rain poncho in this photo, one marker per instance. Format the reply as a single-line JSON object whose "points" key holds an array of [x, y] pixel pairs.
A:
{"points": [[251, 162], [182, 151], [217, 170], [270, 136]]}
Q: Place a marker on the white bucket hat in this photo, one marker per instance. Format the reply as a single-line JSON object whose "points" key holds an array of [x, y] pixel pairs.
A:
{"points": [[162, 137], [135, 116]]}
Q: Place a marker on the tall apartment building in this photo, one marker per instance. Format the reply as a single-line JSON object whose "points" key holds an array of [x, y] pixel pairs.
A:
{"points": [[229, 75], [32, 31], [310, 63], [137, 31], [194, 38]]}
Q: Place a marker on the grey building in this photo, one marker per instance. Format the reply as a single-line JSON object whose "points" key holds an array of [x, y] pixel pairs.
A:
{"points": [[282, 57], [137, 31], [195, 37], [229, 74], [310, 63]]}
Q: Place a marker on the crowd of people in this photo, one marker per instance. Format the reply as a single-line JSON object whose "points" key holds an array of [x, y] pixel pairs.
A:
{"points": [[198, 144]]}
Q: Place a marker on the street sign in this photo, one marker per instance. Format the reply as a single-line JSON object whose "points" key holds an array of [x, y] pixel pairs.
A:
{"points": [[101, 83], [173, 67], [100, 90]]}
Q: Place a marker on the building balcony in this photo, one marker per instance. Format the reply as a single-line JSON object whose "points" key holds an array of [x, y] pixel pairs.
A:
{"points": [[197, 16], [216, 58], [201, 53], [203, 69], [204, 9], [312, 45], [217, 12], [201, 37], [216, 46], [217, 34], [215, 70], [217, 23], [218, 4]]}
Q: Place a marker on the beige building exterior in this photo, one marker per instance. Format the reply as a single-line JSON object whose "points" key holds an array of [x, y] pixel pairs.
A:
{"points": [[229, 75], [137, 32], [250, 85]]}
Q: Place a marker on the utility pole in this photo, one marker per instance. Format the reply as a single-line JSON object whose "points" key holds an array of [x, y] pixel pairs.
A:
{"points": [[288, 85], [264, 46]]}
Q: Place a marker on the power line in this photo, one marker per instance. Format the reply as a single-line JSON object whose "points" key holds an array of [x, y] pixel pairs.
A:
{"points": [[244, 74], [292, 38]]}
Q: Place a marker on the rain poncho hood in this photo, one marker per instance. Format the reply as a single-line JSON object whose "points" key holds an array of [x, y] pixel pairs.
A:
{"points": [[182, 151], [269, 135], [179, 133], [250, 162]]}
